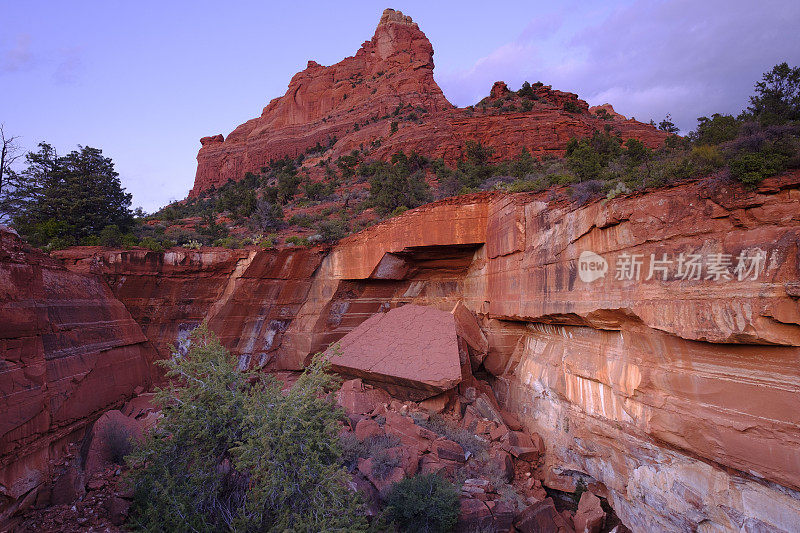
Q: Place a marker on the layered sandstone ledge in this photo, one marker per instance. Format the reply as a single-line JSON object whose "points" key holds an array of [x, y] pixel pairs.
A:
{"points": [[69, 350], [677, 397]]}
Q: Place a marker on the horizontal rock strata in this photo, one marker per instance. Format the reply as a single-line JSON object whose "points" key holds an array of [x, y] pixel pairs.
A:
{"points": [[656, 368], [69, 350]]}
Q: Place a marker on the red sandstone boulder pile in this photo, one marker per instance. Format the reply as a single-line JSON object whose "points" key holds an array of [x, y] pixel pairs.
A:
{"points": [[497, 469]]}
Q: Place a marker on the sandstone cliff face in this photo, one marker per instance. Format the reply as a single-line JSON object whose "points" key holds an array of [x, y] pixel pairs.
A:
{"points": [[169, 293], [672, 389], [653, 341], [355, 101], [69, 350]]}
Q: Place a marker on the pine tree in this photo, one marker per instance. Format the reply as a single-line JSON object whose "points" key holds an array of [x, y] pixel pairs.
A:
{"points": [[72, 197]]}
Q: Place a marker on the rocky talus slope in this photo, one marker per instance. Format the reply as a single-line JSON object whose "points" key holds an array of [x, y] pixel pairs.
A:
{"points": [[352, 105], [652, 341]]}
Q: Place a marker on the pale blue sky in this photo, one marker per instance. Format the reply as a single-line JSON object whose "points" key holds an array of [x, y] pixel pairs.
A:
{"points": [[145, 80]]}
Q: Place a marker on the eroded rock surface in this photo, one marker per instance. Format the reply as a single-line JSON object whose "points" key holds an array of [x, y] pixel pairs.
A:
{"points": [[671, 393], [411, 351], [69, 350]]}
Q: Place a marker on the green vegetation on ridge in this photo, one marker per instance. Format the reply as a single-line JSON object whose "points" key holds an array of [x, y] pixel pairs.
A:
{"points": [[59, 201]]}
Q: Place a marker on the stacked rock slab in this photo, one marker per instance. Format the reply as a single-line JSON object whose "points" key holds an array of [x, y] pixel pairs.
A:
{"points": [[69, 350], [411, 351]]}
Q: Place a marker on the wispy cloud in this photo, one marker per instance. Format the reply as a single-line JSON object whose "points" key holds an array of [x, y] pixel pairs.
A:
{"points": [[19, 56], [69, 66], [646, 58]]}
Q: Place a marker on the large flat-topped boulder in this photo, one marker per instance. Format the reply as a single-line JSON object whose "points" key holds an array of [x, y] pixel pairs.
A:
{"points": [[412, 351]]}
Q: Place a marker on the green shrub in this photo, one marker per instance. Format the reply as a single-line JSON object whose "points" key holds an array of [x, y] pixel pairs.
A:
{"points": [[752, 167], [524, 186], [228, 242], [585, 161], [523, 164], [317, 190], [715, 130], [603, 114], [151, 244], [423, 504], [708, 157], [110, 236], [399, 183], [526, 91], [333, 230], [636, 152], [572, 107], [129, 240], [298, 240], [232, 452], [301, 219]]}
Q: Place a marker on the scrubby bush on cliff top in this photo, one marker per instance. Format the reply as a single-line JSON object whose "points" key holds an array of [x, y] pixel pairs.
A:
{"points": [[762, 141], [234, 453], [423, 504]]}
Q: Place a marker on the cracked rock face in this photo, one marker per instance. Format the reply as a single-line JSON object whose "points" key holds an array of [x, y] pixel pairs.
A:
{"points": [[69, 350]]}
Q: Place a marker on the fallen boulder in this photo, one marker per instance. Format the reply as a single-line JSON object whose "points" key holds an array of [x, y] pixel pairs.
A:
{"points": [[541, 517], [411, 351], [590, 517]]}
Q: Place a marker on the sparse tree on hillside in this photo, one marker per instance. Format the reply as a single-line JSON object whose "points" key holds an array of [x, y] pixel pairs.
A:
{"points": [[10, 152], [667, 125], [777, 97]]}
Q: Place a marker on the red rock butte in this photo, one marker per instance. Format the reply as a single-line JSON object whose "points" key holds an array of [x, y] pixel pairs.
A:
{"points": [[352, 105]]}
